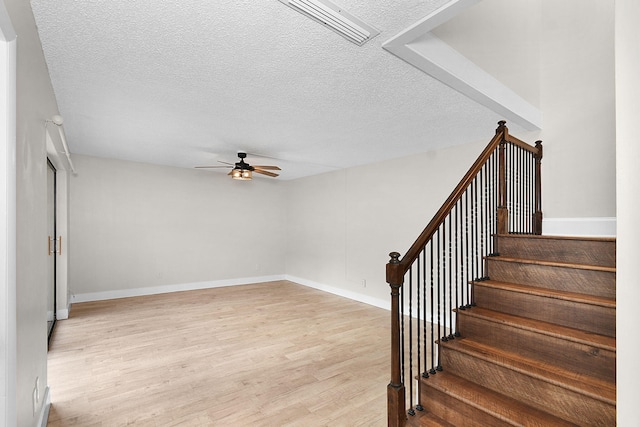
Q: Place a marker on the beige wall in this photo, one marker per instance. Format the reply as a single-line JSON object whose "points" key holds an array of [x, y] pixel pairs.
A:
{"points": [[137, 225]]}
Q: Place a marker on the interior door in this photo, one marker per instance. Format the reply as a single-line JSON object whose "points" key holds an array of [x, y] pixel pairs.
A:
{"points": [[54, 248]]}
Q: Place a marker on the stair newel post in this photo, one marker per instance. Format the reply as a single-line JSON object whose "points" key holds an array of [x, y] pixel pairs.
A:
{"points": [[503, 212], [537, 215], [396, 411]]}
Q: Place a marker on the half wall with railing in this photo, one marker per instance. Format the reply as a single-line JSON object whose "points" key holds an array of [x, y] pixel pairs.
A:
{"points": [[501, 193]]}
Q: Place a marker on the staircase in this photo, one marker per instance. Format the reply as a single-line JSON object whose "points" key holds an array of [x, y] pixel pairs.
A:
{"points": [[538, 346]]}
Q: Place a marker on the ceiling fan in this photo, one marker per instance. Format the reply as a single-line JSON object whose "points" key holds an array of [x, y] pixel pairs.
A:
{"points": [[242, 170]]}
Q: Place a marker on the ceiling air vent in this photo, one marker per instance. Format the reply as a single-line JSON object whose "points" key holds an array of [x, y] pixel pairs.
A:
{"points": [[335, 18]]}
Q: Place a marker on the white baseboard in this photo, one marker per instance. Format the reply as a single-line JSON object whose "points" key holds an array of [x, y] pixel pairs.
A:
{"points": [[376, 302], [64, 313], [44, 410], [592, 227], [126, 293]]}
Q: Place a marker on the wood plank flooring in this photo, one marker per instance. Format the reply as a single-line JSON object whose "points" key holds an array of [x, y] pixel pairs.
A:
{"points": [[268, 354]]}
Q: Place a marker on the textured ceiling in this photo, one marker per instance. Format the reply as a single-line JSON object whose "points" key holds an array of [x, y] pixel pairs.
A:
{"points": [[190, 82]]}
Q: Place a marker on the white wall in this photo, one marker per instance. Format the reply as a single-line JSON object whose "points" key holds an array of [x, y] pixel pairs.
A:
{"points": [[628, 177], [35, 103], [503, 38], [577, 102], [136, 226], [8, 340], [342, 225], [560, 57]]}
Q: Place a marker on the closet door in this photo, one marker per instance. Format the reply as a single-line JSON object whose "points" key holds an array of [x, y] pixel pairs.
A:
{"points": [[54, 248]]}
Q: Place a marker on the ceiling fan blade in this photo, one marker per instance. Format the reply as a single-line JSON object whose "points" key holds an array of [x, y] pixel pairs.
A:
{"points": [[273, 168], [226, 163], [263, 172], [211, 167]]}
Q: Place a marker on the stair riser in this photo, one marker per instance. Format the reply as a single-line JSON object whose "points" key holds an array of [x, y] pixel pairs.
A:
{"points": [[587, 317], [564, 403], [555, 351], [590, 282], [590, 252], [456, 411]]}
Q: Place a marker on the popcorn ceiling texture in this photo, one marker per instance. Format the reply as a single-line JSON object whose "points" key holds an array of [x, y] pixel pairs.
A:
{"points": [[190, 82]]}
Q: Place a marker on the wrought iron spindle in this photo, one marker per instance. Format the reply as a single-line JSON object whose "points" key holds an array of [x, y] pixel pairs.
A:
{"points": [[499, 194], [438, 276], [411, 411], [424, 313], [481, 217], [432, 339], [467, 276], [402, 350]]}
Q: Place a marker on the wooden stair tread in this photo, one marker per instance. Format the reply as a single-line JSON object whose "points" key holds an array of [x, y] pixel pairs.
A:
{"points": [[427, 419], [554, 264], [589, 386], [550, 293], [541, 327], [497, 405], [543, 237]]}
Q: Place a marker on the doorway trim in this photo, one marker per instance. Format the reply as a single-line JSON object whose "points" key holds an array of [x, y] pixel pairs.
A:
{"points": [[62, 226]]}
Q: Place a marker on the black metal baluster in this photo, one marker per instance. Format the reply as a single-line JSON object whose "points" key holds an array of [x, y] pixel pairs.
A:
{"points": [[450, 261], [487, 231], [438, 290], [532, 197], [512, 212], [514, 196], [443, 254], [402, 370], [514, 179], [525, 192], [510, 184], [521, 188], [490, 204], [493, 201], [425, 373], [496, 183], [432, 340], [481, 213], [467, 253], [476, 226], [458, 258], [418, 346], [473, 230], [411, 411]]}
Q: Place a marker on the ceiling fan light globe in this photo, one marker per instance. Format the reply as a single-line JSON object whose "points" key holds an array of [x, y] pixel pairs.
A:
{"points": [[242, 174]]}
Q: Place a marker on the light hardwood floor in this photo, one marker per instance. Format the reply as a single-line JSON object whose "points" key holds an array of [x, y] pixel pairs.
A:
{"points": [[269, 354]]}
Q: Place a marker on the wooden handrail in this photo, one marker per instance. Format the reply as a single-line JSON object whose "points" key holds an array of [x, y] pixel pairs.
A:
{"points": [[520, 143], [398, 270]]}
